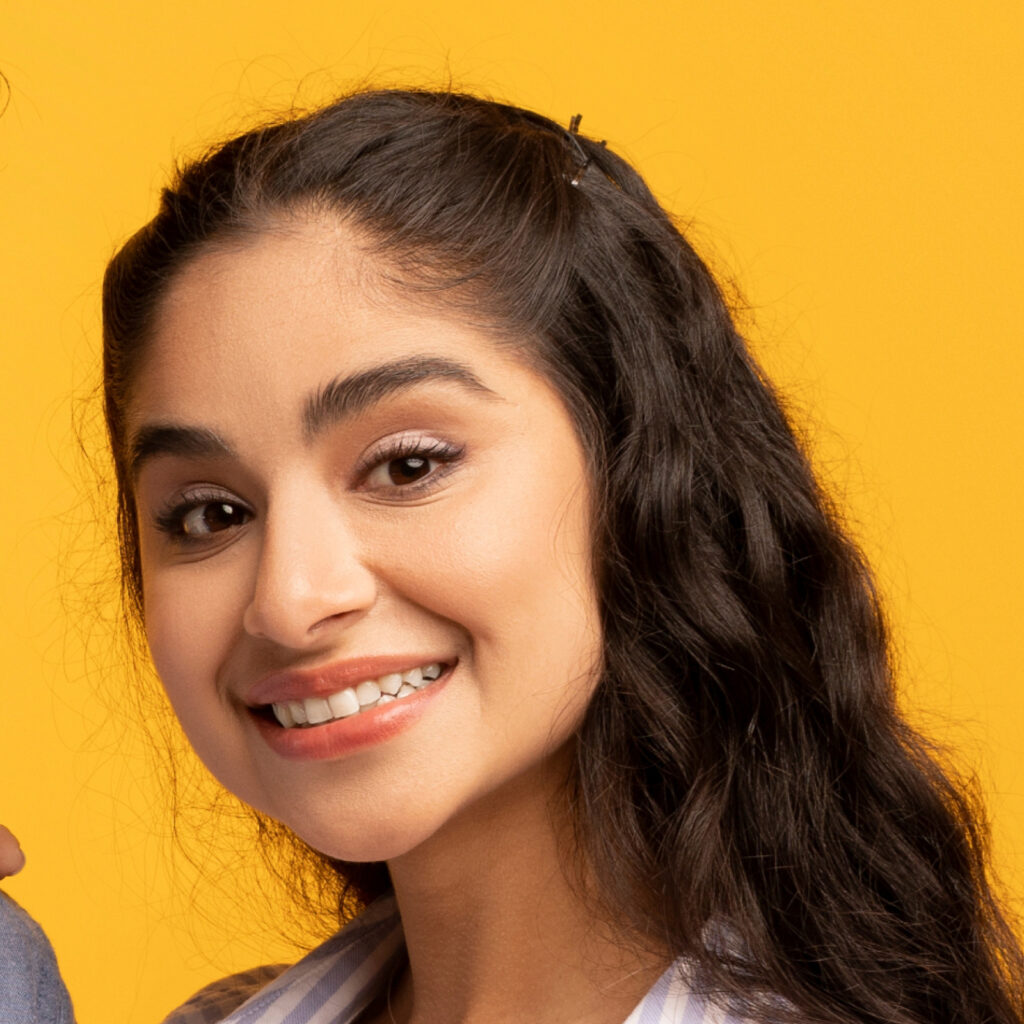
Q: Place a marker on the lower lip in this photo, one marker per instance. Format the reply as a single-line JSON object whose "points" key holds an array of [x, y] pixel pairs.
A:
{"points": [[345, 736]]}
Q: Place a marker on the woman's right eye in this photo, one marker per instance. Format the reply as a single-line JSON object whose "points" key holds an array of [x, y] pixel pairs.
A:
{"points": [[197, 520]]}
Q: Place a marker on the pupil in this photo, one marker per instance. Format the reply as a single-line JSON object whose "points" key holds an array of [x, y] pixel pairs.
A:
{"points": [[409, 469], [220, 515]]}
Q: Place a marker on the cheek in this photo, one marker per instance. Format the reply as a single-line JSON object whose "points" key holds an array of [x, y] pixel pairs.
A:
{"points": [[191, 619], [191, 622], [512, 568]]}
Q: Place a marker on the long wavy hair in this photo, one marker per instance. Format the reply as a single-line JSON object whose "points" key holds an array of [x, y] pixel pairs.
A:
{"points": [[745, 793]]}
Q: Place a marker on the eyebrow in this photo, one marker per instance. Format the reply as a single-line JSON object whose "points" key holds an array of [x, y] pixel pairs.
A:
{"points": [[171, 439], [346, 396], [336, 400]]}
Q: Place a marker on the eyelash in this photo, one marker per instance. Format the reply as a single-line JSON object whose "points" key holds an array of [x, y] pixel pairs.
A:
{"points": [[170, 520]]}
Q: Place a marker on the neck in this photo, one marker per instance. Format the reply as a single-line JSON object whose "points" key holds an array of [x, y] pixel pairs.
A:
{"points": [[497, 926]]}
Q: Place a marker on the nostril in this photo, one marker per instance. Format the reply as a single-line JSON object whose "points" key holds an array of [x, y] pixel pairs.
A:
{"points": [[294, 619], [336, 619]]}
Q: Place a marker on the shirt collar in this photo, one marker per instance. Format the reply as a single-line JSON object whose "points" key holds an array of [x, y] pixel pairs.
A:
{"points": [[337, 981]]}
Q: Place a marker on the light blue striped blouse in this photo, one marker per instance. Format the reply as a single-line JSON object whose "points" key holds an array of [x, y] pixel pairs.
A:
{"points": [[338, 980]]}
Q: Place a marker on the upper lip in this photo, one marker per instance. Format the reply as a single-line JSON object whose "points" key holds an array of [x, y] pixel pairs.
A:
{"points": [[323, 680]]}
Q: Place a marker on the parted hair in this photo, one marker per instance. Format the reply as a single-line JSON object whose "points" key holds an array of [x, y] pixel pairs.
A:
{"points": [[745, 793]]}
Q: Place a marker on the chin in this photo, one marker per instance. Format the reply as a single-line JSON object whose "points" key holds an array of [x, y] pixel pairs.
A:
{"points": [[365, 841]]}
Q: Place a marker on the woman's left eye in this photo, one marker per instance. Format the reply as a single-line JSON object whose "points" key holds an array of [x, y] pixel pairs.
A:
{"points": [[403, 471], [411, 465]]}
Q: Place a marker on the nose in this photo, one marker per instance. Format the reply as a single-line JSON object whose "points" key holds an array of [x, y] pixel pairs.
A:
{"points": [[310, 576]]}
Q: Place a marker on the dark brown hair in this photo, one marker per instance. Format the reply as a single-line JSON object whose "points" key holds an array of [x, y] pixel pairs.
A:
{"points": [[745, 793]]}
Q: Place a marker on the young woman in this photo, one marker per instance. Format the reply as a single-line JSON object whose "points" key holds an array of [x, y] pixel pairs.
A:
{"points": [[471, 545]]}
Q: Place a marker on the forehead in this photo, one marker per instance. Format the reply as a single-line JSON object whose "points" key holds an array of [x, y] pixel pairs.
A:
{"points": [[275, 312]]}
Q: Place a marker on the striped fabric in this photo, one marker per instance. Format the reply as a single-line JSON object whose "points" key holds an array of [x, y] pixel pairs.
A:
{"points": [[670, 1001], [338, 980]]}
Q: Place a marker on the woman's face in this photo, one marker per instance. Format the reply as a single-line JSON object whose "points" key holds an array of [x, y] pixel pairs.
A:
{"points": [[338, 492]]}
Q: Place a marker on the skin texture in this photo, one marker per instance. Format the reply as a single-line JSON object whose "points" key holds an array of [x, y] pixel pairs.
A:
{"points": [[12, 860], [318, 557]]}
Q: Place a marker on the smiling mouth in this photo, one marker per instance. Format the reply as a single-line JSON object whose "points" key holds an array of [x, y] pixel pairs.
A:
{"points": [[353, 700]]}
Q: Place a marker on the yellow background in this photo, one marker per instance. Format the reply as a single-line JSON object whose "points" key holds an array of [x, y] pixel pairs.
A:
{"points": [[854, 167]]}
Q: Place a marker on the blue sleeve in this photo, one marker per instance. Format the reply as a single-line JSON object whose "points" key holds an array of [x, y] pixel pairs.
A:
{"points": [[31, 988]]}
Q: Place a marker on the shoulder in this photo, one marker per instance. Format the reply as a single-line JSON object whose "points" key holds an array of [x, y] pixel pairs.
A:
{"points": [[18, 927], [214, 1002], [31, 988]]}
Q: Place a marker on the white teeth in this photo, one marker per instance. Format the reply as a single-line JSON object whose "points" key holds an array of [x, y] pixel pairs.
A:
{"points": [[369, 694], [283, 714], [390, 683], [343, 704], [317, 710]]}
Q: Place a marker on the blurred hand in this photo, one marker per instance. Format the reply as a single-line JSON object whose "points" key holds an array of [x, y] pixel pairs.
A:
{"points": [[12, 860]]}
